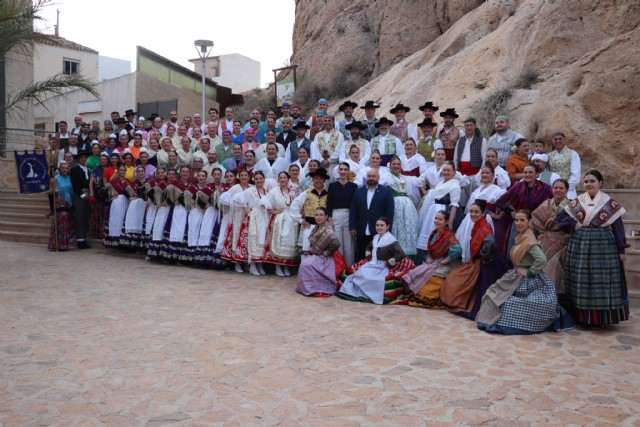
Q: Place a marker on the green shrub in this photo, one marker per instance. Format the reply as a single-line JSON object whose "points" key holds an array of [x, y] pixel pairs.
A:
{"points": [[487, 109]]}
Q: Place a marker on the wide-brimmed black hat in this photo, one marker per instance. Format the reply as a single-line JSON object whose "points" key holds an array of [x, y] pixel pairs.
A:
{"points": [[384, 120], [427, 122], [322, 172], [346, 104], [81, 153], [130, 112], [428, 106], [399, 107], [370, 104], [449, 112], [153, 116], [301, 125], [355, 124], [120, 120]]}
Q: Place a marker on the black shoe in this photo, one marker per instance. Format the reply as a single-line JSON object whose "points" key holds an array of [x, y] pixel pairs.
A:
{"points": [[83, 245], [86, 245]]}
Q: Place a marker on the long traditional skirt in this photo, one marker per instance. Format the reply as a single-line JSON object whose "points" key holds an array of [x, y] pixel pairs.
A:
{"points": [[195, 222], [175, 237], [424, 283], [532, 308], [375, 283], [132, 237], [157, 232], [205, 253], [149, 220], [405, 224], [281, 243], [465, 285], [66, 229], [317, 274], [241, 252], [117, 214], [98, 218], [595, 280]]}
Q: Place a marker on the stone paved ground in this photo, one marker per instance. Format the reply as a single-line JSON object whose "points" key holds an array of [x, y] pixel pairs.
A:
{"points": [[138, 344]]}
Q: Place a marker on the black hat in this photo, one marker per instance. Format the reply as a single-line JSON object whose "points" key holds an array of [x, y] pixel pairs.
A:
{"points": [[322, 172], [153, 116], [382, 121], [81, 153], [428, 106], [355, 124], [120, 120], [370, 104], [427, 122], [449, 112], [399, 107], [301, 125], [130, 113], [347, 104]]}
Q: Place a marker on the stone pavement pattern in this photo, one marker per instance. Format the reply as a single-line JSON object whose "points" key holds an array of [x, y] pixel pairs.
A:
{"points": [[138, 344]]}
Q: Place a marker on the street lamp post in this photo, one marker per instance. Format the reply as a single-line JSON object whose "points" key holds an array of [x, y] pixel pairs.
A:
{"points": [[204, 49]]}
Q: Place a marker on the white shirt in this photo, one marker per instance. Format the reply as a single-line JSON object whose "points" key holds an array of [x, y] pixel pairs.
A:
{"points": [[370, 194], [466, 151]]}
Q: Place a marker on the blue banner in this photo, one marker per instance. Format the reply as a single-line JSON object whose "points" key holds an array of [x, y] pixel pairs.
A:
{"points": [[33, 172]]}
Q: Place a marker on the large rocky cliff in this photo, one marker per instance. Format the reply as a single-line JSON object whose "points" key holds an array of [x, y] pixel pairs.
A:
{"points": [[572, 66]]}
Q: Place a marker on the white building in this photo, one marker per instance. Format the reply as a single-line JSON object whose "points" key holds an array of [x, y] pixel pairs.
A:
{"points": [[111, 68], [67, 58], [238, 72]]}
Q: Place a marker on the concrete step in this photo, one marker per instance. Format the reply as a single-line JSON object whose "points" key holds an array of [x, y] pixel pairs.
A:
{"points": [[26, 227], [40, 208], [24, 237], [32, 218]]}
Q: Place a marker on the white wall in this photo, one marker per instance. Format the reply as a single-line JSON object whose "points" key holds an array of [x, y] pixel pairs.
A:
{"points": [[48, 59], [117, 94], [238, 72], [110, 68]]}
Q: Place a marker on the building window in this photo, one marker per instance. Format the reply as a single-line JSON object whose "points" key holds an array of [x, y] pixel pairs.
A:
{"points": [[69, 66]]}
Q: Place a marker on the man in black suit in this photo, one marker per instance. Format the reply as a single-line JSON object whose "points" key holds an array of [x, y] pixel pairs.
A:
{"points": [[369, 204], [79, 176], [287, 135]]}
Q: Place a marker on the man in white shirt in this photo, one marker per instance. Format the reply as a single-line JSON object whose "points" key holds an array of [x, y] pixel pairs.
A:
{"points": [[470, 149], [370, 120], [227, 123], [566, 163], [325, 143], [503, 139], [347, 108], [386, 143], [402, 129], [354, 128]]}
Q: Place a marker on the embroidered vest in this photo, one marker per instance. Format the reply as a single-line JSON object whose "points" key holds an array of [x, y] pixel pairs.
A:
{"points": [[371, 131], [449, 137], [400, 130], [389, 144], [341, 124], [329, 146], [560, 163], [314, 202], [475, 151], [425, 147]]}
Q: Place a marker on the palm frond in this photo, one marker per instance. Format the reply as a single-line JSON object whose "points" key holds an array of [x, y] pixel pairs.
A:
{"points": [[38, 92], [17, 18]]}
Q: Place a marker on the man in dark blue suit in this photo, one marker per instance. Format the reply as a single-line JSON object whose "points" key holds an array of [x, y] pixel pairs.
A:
{"points": [[369, 204]]}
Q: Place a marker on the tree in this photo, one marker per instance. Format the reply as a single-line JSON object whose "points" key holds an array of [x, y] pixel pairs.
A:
{"points": [[17, 35]]}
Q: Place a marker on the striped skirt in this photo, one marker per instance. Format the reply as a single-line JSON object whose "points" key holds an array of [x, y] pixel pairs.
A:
{"points": [[595, 281]]}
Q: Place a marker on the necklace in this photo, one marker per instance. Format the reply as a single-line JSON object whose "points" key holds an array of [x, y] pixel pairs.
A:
{"points": [[288, 196]]}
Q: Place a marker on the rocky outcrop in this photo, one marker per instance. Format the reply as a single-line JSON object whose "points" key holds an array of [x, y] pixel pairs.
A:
{"points": [[586, 74], [375, 34]]}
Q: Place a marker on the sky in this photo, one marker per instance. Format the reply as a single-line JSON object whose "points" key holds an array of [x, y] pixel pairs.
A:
{"points": [[259, 29]]}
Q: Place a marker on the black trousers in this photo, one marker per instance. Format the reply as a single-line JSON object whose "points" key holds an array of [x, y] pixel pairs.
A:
{"points": [[81, 209], [361, 245]]}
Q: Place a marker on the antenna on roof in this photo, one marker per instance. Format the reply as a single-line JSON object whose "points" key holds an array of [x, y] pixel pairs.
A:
{"points": [[57, 23]]}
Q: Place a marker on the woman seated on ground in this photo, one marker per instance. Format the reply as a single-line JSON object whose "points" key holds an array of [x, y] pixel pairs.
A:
{"points": [[553, 240], [524, 300], [377, 278], [443, 254], [464, 287], [317, 273]]}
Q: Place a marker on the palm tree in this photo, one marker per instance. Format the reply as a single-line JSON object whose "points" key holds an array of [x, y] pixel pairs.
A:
{"points": [[17, 35]]}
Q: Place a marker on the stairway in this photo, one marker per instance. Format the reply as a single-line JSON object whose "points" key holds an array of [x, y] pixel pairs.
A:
{"points": [[23, 217], [632, 263]]}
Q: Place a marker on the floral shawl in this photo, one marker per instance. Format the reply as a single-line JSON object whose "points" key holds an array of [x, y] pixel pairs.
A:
{"points": [[320, 238], [440, 248], [480, 230]]}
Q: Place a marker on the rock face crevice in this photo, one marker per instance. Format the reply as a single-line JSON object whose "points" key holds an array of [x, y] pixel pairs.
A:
{"points": [[584, 54]]}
